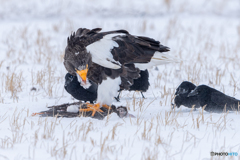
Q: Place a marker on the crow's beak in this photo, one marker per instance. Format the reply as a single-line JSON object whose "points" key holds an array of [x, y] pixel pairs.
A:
{"points": [[176, 93], [83, 74], [172, 105], [66, 83], [192, 93]]}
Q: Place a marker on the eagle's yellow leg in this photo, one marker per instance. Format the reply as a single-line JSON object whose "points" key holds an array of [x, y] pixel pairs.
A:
{"points": [[106, 106], [92, 107]]}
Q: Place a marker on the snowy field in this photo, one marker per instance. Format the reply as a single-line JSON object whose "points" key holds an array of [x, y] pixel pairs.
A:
{"points": [[33, 35]]}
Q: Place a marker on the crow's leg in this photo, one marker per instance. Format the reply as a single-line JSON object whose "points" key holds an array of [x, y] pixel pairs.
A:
{"points": [[117, 98], [142, 95]]}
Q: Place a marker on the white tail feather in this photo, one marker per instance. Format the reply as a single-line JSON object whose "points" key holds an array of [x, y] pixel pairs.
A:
{"points": [[158, 59]]}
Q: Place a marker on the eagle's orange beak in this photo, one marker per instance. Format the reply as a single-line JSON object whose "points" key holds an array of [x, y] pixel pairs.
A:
{"points": [[83, 74]]}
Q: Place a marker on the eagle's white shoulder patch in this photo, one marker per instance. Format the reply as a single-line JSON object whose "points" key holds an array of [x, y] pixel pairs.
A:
{"points": [[101, 51]]}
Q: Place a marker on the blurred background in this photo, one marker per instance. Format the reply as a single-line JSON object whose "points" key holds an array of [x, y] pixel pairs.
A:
{"points": [[204, 34], [60, 9]]}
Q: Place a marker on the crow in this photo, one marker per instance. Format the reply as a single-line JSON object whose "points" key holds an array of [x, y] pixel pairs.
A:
{"points": [[141, 84], [73, 87], [214, 100], [181, 95]]}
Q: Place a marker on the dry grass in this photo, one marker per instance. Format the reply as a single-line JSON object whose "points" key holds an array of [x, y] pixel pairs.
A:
{"points": [[13, 84]]}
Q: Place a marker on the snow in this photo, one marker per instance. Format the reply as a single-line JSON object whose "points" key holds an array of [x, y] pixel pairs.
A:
{"points": [[73, 108], [204, 34]]}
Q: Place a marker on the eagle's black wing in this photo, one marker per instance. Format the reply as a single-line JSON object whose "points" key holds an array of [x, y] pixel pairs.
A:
{"points": [[134, 49]]}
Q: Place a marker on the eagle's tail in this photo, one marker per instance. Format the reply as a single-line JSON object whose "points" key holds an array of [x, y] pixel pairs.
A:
{"points": [[158, 58], [163, 58]]}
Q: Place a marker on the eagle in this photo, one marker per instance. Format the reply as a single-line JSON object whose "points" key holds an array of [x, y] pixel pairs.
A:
{"points": [[111, 59]]}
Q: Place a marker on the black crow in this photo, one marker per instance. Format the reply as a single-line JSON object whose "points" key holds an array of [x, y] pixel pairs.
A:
{"points": [[141, 84], [214, 100], [181, 95], [73, 87], [110, 59]]}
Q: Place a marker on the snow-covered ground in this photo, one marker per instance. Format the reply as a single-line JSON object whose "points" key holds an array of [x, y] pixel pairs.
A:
{"points": [[33, 34]]}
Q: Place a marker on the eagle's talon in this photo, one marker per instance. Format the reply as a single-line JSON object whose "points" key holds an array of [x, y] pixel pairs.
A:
{"points": [[92, 107], [106, 106]]}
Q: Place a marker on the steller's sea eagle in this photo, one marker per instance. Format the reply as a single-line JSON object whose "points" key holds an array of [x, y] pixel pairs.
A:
{"points": [[110, 59]]}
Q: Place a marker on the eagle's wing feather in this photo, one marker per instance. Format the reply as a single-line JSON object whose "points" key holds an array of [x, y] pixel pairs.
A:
{"points": [[101, 52], [144, 52], [115, 48], [112, 51]]}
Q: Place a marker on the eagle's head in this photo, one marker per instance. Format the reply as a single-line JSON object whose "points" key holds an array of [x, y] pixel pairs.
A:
{"points": [[77, 60]]}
